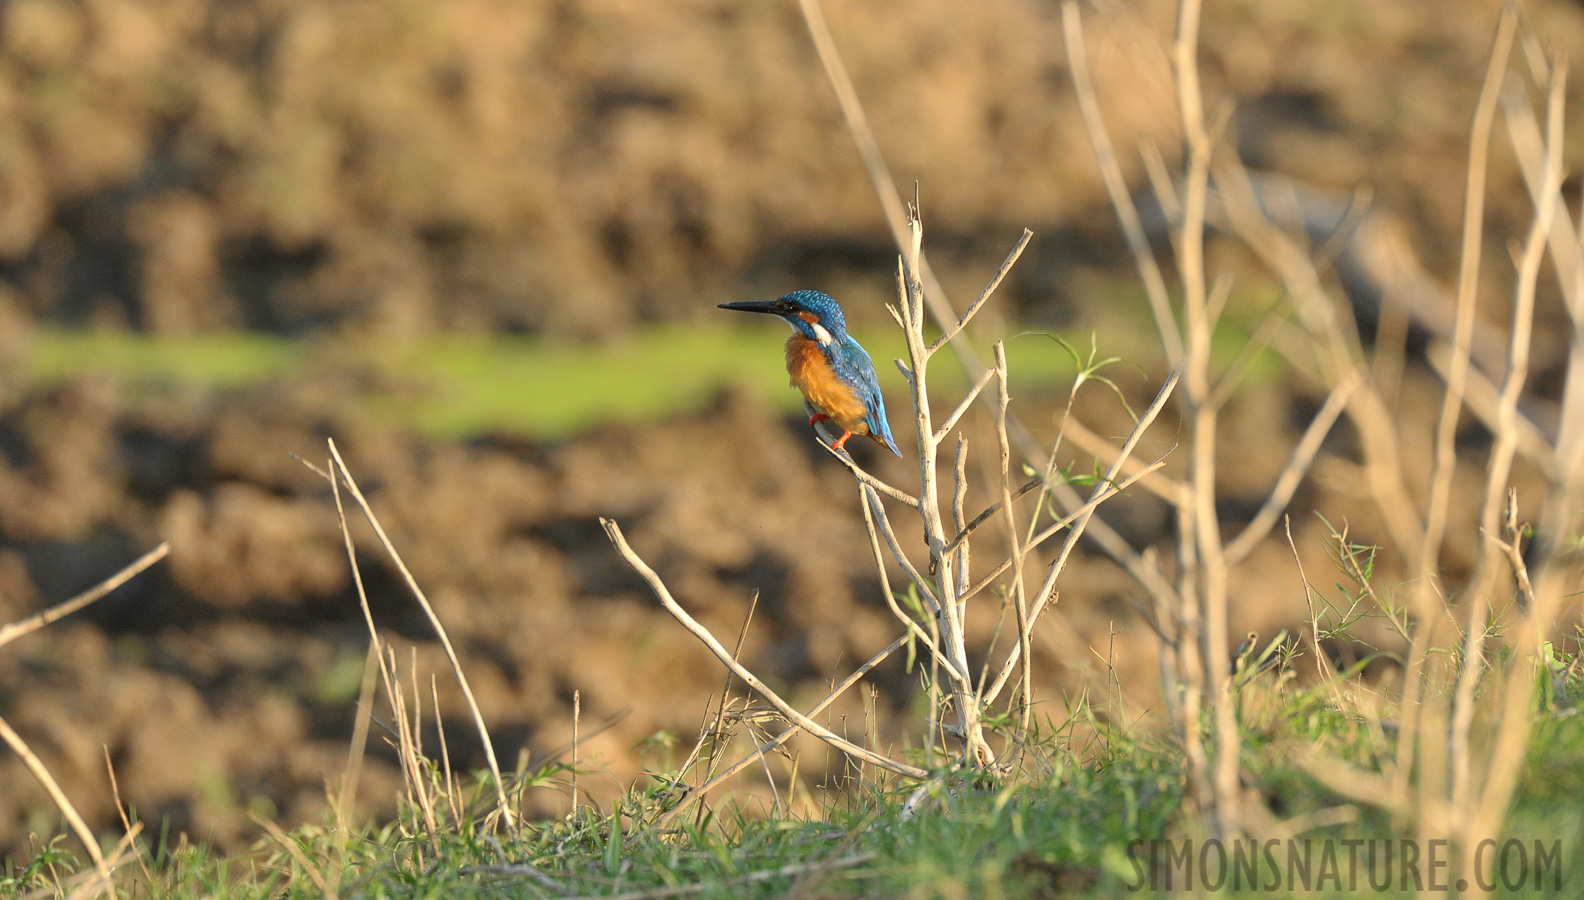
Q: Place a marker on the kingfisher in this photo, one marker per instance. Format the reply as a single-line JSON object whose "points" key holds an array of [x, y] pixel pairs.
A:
{"points": [[829, 368]]}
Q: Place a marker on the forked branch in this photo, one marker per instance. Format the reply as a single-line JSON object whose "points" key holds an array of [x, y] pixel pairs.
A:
{"points": [[663, 594]]}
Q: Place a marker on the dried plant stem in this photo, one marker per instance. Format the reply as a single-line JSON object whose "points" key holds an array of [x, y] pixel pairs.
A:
{"points": [[880, 176], [11, 632], [1157, 483], [1293, 473], [718, 745], [376, 646], [1336, 348], [1105, 487], [445, 639], [1116, 185], [1425, 597], [1482, 398], [1322, 665], [1468, 285], [577, 711], [1499, 469], [1006, 266], [867, 479], [697, 793], [1206, 563], [663, 594], [346, 800], [870, 504], [1178, 605], [51, 787], [40, 772], [1015, 551], [976, 752]]}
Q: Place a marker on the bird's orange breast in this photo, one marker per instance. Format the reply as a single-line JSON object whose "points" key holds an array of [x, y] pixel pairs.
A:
{"points": [[812, 376]]}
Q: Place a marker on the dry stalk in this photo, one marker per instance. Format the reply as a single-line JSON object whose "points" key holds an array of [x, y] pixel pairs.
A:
{"points": [[870, 505], [1499, 469], [129, 828], [445, 754], [663, 594], [1105, 487], [949, 612], [896, 215], [36, 766], [698, 793], [1204, 565], [445, 639], [577, 711], [1322, 665], [14, 630], [1116, 186], [1426, 563], [1292, 474], [347, 799], [47, 781], [1015, 551]]}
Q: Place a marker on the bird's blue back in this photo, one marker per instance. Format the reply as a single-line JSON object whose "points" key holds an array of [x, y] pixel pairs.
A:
{"points": [[853, 366]]}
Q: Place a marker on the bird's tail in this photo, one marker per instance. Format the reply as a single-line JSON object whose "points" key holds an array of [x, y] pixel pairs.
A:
{"points": [[884, 437]]}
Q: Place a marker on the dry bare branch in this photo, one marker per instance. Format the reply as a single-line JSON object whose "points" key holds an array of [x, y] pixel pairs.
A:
{"points": [[1116, 186], [663, 594], [1105, 487], [960, 324], [51, 787], [1292, 474], [55, 613], [440, 631]]}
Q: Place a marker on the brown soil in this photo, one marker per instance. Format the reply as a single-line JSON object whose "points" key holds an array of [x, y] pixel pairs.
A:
{"points": [[571, 168], [224, 680]]}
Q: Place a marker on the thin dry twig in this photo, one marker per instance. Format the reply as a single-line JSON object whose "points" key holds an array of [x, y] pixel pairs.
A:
{"points": [[1116, 186], [128, 827], [445, 639], [1015, 550], [1159, 484], [1322, 665], [1006, 266], [33, 623], [962, 407], [1107, 486], [1499, 468], [1292, 474], [863, 477], [885, 586], [697, 793], [51, 787], [663, 594], [1468, 283]]}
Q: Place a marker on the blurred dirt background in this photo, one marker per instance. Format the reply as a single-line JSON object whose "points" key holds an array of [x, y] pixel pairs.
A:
{"points": [[579, 169]]}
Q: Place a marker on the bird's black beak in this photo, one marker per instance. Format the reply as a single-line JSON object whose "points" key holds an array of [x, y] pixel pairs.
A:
{"points": [[773, 307]]}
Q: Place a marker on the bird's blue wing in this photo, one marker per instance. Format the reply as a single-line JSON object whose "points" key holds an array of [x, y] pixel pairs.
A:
{"points": [[853, 366]]}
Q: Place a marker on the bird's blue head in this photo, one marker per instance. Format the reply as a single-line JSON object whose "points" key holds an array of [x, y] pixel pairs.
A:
{"points": [[815, 315]]}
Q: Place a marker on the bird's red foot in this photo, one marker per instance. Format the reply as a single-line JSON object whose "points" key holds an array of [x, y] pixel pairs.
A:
{"points": [[841, 442], [817, 418]]}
